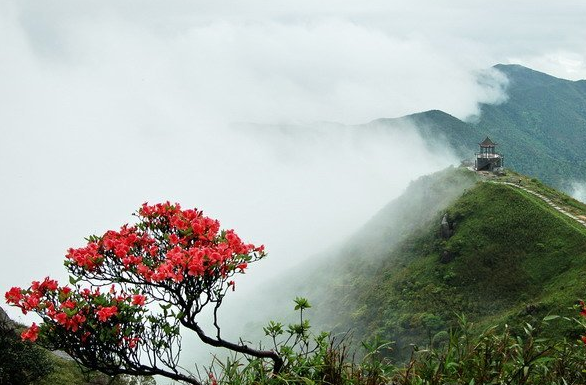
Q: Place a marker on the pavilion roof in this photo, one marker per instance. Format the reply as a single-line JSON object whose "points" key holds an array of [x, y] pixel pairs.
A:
{"points": [[487, 143]]}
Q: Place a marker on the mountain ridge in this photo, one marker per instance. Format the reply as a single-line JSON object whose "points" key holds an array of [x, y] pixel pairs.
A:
{"points": [[511, 258], [523, 74], [540, 127]]}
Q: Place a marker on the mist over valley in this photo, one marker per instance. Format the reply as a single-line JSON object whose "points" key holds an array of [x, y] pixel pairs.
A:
{"points": [[340, 136]]}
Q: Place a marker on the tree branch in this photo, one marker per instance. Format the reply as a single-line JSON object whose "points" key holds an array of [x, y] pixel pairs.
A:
{"points": [[244, 349]]}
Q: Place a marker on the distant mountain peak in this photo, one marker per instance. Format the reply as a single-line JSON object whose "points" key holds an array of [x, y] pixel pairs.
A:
{"points": [[526, 77], [433, 113], [429, 114]]}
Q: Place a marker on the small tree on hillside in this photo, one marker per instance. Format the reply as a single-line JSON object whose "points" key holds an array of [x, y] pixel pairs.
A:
{"points": [[131, 290]]}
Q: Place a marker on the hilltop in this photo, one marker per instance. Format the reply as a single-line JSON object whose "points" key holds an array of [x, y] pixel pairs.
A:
{"points": [[508, 256]]}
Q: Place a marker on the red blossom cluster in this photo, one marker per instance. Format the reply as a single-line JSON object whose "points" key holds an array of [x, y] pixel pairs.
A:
{"points": [[70, 310], [138, 299], [167, 245], [32, 333], [105, 313]]}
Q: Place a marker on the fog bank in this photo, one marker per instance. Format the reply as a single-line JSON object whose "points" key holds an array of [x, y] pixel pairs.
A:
{"points": [[578, 191], [106, 106]]}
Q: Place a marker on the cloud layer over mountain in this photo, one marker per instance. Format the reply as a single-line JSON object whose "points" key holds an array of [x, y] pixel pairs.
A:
{"points": [[104, 106]]}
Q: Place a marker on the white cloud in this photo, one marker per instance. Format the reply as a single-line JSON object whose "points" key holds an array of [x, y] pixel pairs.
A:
{"points": [[565, 65], [104, 106], [578, 191]]}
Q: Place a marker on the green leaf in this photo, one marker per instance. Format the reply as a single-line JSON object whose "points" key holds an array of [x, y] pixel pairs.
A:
{"points": [[301, 303]]}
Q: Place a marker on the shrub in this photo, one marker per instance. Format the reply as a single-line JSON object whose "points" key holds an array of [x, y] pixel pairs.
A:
{"points": [[132, 290]]}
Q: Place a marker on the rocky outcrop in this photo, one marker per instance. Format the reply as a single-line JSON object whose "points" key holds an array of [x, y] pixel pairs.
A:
{"points": [[9, 326], [5, 321], [446, 232], [446, 228]]}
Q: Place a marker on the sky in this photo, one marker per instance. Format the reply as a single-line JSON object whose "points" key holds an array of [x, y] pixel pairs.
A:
{"points": [[106, 105]]}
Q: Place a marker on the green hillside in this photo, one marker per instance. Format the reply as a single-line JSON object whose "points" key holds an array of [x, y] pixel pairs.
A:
{"points": [[25, 363], [511, 258], [438, 129], [541, 128]]}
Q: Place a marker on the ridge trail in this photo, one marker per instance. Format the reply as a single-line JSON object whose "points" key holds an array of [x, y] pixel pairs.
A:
{"points": [[546, 200]]}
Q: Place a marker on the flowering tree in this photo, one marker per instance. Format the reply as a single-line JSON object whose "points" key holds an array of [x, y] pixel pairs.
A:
{"points": [[107, 318]]}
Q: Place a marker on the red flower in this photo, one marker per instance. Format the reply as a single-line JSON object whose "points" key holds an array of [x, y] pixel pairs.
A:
{"points": [[86, 257], [75, 322], [106, 313], [138, 299], [153, 250], [583, 309], [50, 308], [68, 305], [61, 318], [132, 342], [32, 301], [174, 239], [260, 249], [85, 336], [50, 284], [169, 244], [145, 271], [13, 295], [31, 334]]}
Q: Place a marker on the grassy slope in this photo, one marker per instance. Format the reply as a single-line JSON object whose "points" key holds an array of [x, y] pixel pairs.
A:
{"points": [[515, 259]]}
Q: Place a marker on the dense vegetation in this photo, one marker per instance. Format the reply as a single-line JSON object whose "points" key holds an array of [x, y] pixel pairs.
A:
{"points": [[511, 259], [497, 355], [24, 363], [21, 363], [494, 356]]}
